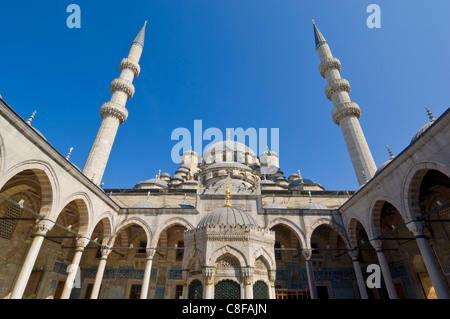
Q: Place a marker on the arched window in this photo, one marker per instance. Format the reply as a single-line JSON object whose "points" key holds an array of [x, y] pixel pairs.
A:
{"points": [[260, 290], [227, 289], [195, 289]]}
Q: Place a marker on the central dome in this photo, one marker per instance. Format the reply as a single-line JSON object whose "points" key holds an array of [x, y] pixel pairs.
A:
{"points": [[227, 216], [231, 146]]}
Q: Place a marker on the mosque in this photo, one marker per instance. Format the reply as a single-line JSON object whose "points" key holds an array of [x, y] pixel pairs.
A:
{"points": [[223, 225]]}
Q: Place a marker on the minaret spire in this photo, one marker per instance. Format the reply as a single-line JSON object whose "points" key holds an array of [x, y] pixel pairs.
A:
{"points": [[114, 113], [345, 113]]}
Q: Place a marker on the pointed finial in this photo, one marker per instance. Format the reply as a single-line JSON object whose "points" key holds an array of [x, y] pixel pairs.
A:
{"points": [[390, 152], [68, 154], [159, 174], [310, 197], [300, 175], [430, 115], [318, 37], [148, 195], [140, 37], [228, 134], [31, 118], [313, 21]]}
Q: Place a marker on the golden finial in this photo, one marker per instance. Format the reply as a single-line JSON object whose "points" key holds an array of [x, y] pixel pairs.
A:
{"points": [[159, 174], [267, 147], [313, 21], [228, 134], [300, 175], [227, 192]]}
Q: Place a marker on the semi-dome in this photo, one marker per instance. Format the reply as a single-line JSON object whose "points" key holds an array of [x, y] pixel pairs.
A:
{"points": [[144, 204], [313, 205], [227, 216]]}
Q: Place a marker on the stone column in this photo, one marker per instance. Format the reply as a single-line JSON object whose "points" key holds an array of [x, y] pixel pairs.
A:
{"points": [[377, 244], [272, 292], [248, 282], [209, 282], [359, 277], [147, 273], [310, 274], [43, 227], [100, 270], [74, 267], [417, 229]]}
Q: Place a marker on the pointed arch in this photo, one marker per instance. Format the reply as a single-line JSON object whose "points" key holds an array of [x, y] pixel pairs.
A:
{"points": [[227, 249], [290, 225], [176, 221], [411, 186], [47, 181], [328, 222]]}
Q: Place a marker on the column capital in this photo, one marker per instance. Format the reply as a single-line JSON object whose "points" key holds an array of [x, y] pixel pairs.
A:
{"points": [[307, 253], [44, 226], [208, 273], [105, 251], [82, 242], [247, 273], [150, 252], [354, 252], [416, 227], [377, 244]]}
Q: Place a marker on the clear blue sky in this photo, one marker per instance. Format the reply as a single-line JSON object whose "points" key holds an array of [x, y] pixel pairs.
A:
{"points": [[228, 63]]}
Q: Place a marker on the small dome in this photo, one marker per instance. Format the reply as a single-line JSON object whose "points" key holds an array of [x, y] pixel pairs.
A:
{"points": [[182, 205], [269, 153], [165, 175], [421, 131], [229, 146], [185, 166], [383, 166], [178, 177], [313, 205], [153, 181], [182, 170], [302, 181], [144, 204], [227, 216], [275, 206]]}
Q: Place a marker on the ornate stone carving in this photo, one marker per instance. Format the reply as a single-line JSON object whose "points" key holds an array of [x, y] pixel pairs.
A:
{"points": [[327, 64], [307, 253], [150, 253], [82, 242], [337, 85], [416, 228], [345, 109], [130, 64], [122, 85], [226, 263], [114, 109], [44, 226], [247, 273], [209, 275]]}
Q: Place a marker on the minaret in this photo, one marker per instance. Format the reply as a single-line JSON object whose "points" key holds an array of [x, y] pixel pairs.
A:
{"points": [[345, 113], [114, 113]]}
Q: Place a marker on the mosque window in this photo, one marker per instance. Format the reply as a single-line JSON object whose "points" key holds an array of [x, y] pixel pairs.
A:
{"points": [[277, 251], [142, 247], [135, 291], [180, 251], [9, 222]]}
